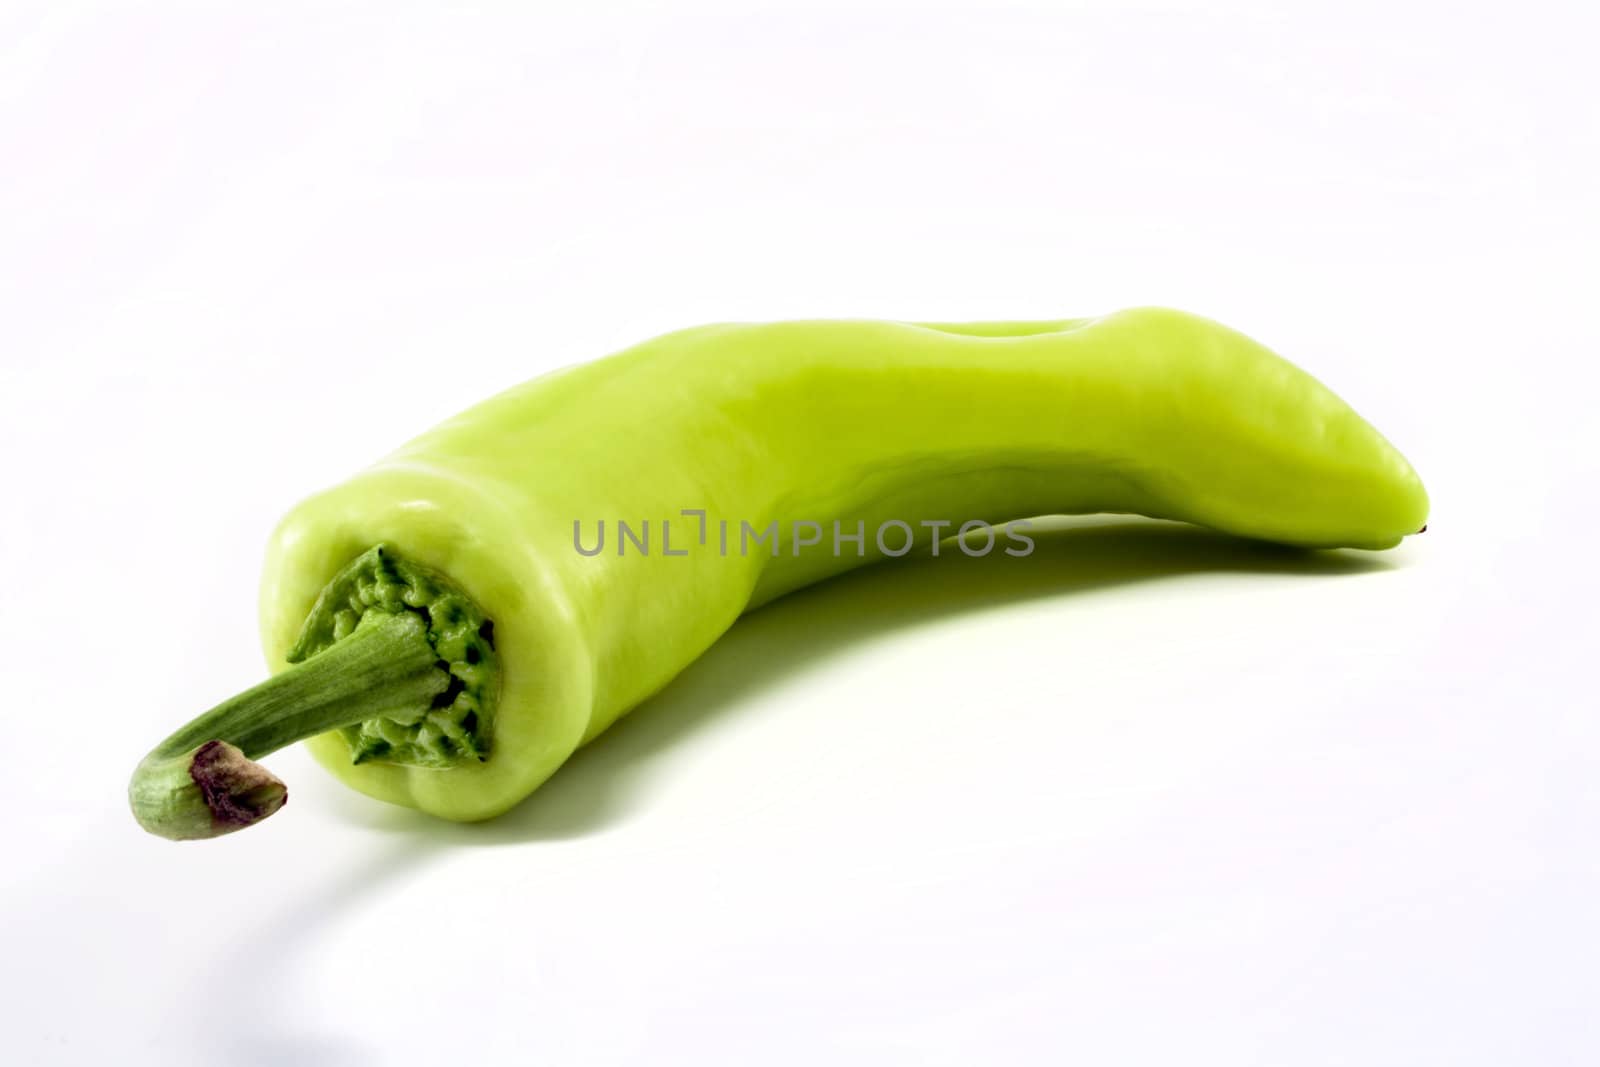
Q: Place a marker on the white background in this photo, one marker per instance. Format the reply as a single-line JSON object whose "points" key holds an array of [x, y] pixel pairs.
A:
{"points": [[1146, 798]]}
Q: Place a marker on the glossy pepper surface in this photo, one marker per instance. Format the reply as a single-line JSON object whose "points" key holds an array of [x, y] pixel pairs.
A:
{"points": [[724, 427]]}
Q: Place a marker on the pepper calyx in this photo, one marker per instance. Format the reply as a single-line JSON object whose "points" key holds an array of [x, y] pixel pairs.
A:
{"points": [[457, 724]]}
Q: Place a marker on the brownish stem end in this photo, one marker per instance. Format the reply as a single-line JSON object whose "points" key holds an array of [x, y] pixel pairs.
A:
{"points": [[239, 791]]}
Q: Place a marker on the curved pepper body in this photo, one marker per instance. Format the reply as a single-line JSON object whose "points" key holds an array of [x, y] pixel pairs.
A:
{"points": [[1146, 411]]}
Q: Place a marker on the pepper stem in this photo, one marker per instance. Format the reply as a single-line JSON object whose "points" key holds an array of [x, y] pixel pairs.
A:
{"points": [[202, 782]]}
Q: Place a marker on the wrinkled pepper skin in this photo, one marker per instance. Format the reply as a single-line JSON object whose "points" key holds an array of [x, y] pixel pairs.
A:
{"points": [[1147, 411]]}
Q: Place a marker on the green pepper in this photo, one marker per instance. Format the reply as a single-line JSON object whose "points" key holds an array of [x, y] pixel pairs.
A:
{"points": [[450, 625]]}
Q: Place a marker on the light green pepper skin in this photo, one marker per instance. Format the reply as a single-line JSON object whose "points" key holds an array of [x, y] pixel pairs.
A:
{"points": [[1147, 411]]}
